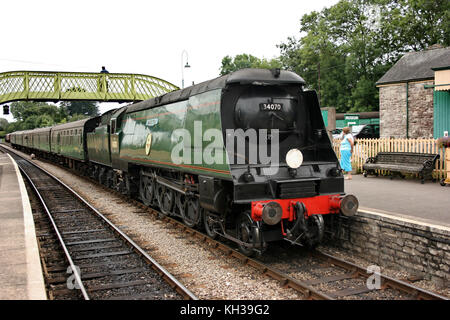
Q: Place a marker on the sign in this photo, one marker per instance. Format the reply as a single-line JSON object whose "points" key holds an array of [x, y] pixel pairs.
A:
{"points": [[351, 119]]}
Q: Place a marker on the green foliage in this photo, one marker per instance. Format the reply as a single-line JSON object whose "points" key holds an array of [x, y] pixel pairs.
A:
{"points": [[3, 124], [242, 61], [77, 117], [88, 108], [23, 110], [346, 48]]}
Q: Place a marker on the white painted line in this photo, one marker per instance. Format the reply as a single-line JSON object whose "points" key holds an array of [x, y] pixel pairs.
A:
{"points": [[35, 278]]}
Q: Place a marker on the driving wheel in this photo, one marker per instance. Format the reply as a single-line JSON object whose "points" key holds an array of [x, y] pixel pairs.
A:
{"points": [[146, 190], [247, 233]]}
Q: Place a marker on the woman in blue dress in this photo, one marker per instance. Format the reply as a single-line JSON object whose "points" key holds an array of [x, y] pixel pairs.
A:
{"points": [[346, 152]]}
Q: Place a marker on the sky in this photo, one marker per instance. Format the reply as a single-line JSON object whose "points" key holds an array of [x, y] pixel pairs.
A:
{"points": [[146, 37]]}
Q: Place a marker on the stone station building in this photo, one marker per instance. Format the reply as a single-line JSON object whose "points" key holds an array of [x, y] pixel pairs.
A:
{"points": [[406, 94]]}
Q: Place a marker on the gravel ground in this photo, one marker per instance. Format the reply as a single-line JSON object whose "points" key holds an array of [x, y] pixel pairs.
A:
{"points": [[208, 274]]}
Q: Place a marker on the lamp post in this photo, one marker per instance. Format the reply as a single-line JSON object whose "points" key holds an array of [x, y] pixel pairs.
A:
{"points": [[185, 66]]}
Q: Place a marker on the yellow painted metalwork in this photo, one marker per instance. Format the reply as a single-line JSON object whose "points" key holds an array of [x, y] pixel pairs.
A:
{"points": [[53, 86]]}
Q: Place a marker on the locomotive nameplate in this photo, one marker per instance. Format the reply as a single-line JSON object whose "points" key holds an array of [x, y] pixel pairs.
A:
{"points": [[151, 122], [271, 106], [148, 144]]}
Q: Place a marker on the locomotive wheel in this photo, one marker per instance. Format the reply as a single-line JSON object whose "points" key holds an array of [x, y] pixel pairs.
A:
{"points": [[192, 214], [180, 204], [245, 232], [95, 173], [315, 230], [110, 179], [102, 176], [146, 190], [210, 225], [166, 199]]}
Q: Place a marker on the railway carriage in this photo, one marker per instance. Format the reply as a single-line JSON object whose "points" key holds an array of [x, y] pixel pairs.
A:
{"points": [[41, 139], [27, 138], [14, 138], [20, 138], [69, 139]]}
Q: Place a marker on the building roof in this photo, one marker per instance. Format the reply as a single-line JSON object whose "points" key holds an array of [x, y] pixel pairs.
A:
{"points": [[417, 66]]}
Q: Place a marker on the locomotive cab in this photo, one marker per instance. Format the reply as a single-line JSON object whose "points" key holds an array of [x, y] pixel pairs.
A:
{"points": [[286, 176]]}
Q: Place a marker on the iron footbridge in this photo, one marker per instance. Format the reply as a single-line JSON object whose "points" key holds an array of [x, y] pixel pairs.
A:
{"points": [[57, 86]]}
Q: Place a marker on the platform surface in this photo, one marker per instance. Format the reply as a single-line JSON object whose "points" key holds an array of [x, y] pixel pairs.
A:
{"points": [[407, 198], [20, 267]]}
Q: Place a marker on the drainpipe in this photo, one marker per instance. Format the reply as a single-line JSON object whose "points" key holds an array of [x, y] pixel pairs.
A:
{"points": [[407, 110]]}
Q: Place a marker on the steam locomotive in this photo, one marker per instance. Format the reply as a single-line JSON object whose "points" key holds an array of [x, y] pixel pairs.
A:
{"points": [[245, 156]]}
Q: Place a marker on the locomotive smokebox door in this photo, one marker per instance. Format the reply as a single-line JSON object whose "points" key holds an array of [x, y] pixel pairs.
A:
{"points": [[212, 194]]}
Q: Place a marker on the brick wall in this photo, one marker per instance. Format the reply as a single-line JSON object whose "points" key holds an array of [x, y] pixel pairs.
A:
{"points": [[393, 110], [402, 244]]}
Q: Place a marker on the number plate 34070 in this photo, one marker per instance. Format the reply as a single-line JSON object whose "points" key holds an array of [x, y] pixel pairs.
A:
{"points": [[271, 106]]}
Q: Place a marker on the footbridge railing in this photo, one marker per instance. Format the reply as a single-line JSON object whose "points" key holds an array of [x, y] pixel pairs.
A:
{"points": [[54, 86]]}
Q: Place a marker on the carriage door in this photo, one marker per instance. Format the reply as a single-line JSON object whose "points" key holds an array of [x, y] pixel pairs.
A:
{"points": [[58, 142], [114, 143]]}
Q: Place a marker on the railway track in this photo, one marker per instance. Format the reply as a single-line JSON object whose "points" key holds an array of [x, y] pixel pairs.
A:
{"points": [[317, 275], [99, 260], [342, 279]]}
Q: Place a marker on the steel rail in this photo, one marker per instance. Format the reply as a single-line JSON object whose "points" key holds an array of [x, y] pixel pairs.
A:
{"points": [[285, 280], [387, 282], [58, 234], [166, 275]]}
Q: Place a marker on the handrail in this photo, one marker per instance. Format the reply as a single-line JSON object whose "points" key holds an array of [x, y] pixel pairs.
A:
{"points": [[60, 86]]}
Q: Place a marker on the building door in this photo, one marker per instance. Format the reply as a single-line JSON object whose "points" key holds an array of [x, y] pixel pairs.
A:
{"points": [[441, 113]]}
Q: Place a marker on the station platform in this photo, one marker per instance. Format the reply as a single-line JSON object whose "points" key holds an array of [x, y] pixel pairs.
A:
{"points": [[402, 198], [20, 266]]}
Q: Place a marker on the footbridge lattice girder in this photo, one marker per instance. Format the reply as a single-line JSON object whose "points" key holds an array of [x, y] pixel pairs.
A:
{"points": [[54, 86]]}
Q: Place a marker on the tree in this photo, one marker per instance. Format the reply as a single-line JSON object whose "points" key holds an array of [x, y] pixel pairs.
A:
{"points": [[242, 61], [3, 124], [414, 24], [318, 60], [88, 108], [30, 115], [77, 117], [346, 48], [22, 110]]}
